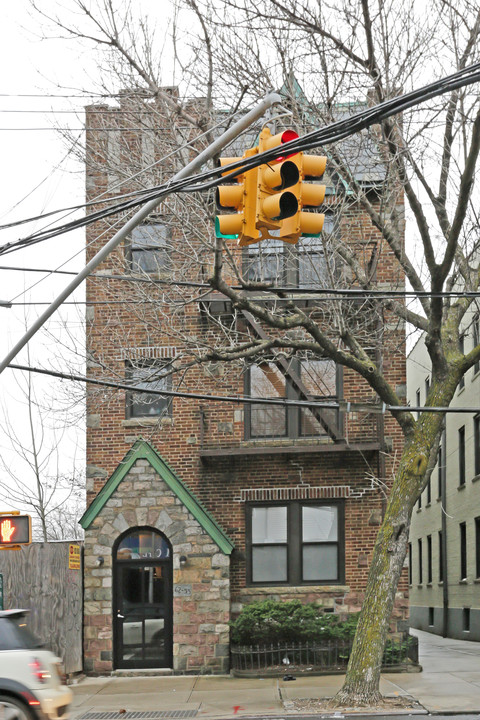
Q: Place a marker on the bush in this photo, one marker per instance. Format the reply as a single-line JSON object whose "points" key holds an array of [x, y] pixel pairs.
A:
{"points": [[270, 621]]}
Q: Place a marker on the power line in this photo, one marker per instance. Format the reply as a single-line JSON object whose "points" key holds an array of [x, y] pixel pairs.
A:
{"points": [[317, 138], [337, 293], [343, 406]]}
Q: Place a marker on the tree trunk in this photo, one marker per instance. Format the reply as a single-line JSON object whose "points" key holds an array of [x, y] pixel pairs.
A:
{"points": [[362, 680]]}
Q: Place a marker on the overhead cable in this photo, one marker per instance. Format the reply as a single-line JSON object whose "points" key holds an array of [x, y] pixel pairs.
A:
{"points": [[317, 138], [343, 406]]}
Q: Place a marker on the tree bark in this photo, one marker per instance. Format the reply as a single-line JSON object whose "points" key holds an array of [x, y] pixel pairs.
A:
{"points": [[362, 681]]}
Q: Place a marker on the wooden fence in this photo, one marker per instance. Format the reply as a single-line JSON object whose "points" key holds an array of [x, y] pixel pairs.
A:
{"points": [[46, 578]]}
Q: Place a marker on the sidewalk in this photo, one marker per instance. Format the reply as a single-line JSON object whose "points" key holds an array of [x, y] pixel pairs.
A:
{"points": [[450, 682]]}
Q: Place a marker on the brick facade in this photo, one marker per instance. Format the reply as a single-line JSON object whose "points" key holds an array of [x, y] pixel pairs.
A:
{"points": [[204, 443]]}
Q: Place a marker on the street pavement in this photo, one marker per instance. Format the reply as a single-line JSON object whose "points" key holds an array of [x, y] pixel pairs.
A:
{"points": [[449, 683]]}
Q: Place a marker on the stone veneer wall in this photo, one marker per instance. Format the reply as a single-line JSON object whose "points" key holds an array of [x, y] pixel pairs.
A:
{"points": [[200, 622]]}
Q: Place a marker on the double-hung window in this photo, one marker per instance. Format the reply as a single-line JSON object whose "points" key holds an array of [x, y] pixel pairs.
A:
{"points": [[295, 543], [476, 444], [148, 375], [476, 339], [149, 249], [461, 456]]}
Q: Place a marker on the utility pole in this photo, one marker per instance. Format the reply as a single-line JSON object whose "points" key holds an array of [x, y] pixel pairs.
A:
{"points": [[140, 215]]}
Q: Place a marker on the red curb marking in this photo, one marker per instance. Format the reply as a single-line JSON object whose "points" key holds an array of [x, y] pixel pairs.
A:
{"points": [[236, 708]]}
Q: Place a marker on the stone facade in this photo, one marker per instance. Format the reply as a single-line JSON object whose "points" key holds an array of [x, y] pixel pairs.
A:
{"points": [[200, 621]]}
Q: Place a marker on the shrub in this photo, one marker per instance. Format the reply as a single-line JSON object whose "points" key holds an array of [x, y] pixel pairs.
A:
{"points": [[270, 621]]}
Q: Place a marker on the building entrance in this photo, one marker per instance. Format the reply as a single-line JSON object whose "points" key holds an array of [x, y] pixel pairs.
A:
{"points": [[143, 604]]}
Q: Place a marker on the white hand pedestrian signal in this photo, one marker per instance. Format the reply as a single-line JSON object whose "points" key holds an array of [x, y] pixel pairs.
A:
{"points": [[6, 531]]}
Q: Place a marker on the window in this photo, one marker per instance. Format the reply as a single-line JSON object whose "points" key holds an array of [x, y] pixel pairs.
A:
{"points": [[463, 551], [429, 491], [431, 616], [477, 547], [267, 380], [466, 620], [440, 556], [427, 388], [300, 265], [461, 347], [439, 471], [410, 568], [429, 558], [476, 339], [461, 456], [148, 249], [476, 441], [420, 563], [295, 543], [417, 401], [147, 374]]}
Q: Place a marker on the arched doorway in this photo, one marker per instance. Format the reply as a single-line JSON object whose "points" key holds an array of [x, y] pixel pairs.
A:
{"points": [[142, 600]]}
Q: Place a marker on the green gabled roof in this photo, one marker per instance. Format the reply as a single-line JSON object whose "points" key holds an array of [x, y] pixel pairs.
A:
{"points": [[142, 450]]}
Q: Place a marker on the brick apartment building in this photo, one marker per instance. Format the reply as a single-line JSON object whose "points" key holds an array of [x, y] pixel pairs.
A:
{"points": [[196, 508]]}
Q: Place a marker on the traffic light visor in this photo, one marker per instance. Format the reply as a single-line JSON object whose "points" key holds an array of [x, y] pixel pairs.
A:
{"points": [[273, 141], [227, 225], [280, 206], [222, 162], [312, 195], [280, 176], [313, 166], [230, 196], [311, 223]]}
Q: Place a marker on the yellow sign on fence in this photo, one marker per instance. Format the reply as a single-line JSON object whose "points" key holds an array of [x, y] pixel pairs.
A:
{"points": [[74, 557]]}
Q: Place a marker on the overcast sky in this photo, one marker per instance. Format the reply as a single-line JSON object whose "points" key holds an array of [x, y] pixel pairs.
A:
{"points": [[37, 177]]}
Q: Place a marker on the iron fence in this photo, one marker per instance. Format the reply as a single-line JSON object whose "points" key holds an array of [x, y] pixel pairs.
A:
{"points": [[316, 656]]}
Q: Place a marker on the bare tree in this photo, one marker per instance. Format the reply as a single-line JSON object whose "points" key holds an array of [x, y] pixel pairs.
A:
{"points": [[429, 156], [33, 474]]}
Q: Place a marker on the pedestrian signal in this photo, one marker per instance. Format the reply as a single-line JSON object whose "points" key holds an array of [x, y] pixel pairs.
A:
{"points": [[15, 530]]}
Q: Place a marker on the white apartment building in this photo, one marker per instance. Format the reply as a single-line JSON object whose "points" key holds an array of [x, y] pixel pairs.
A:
{"points": [[444, 550]]}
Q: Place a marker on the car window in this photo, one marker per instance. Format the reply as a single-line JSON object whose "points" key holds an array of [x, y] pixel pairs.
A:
{"points": [[15, 635]]}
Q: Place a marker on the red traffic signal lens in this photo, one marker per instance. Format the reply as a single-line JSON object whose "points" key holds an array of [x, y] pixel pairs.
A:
{"points": [[287, 137]]}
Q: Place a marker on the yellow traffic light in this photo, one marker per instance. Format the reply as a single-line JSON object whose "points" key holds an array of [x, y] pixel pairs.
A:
{"points": [[242, 197], [276, 202], [307, 195], [269, 199]]}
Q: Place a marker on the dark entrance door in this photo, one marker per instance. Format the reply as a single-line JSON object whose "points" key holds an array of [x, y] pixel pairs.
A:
{"points": [[143, 606]]}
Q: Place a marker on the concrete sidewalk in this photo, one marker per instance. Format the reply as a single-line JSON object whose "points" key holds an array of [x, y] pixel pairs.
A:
{"points": [[450, 682]]}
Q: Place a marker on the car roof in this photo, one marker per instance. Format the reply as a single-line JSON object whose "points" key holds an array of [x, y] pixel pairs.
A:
{"points": [[13, 613]]}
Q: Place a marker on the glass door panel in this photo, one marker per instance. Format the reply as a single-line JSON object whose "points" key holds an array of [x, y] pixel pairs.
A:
{"points": [[143, 615]]}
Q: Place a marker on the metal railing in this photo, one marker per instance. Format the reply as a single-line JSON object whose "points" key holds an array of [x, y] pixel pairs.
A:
{"points": [[316, 656]]}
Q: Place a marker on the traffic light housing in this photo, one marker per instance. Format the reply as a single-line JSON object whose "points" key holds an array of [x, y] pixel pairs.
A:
{"points": [[241, 197], [268, 200], [308, 194], [15, 529]]}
